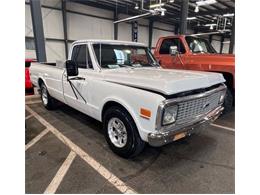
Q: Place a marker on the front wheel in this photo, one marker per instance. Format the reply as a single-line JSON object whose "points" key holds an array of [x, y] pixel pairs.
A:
{"points": [[121, 133], [47, 101], [228, 102]]}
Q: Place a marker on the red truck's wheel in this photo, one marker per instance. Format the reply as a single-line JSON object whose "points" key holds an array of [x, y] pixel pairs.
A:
{"points": [[228, 103], [121, 133]]}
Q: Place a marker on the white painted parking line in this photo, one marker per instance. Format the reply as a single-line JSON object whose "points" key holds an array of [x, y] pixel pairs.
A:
{"points": [[110, 177], [36, 139], [33, 102], [55, 183], [223, 127], [27, 117]]}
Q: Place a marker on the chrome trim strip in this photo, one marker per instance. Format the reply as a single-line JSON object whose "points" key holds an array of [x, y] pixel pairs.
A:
{"points": [[170, 102]]}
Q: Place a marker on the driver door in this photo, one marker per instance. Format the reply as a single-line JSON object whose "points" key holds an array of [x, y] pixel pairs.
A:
{"points": [[172, 61], [76, 92]]}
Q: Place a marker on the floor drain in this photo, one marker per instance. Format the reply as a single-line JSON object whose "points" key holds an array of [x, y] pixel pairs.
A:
{"points": [[42, 153]]}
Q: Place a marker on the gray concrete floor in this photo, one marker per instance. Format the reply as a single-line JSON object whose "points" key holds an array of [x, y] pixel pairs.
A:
{"points": [[202, 163]]}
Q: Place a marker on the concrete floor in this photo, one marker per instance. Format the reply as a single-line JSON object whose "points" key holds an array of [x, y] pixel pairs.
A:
{"points": [[202, 163]]}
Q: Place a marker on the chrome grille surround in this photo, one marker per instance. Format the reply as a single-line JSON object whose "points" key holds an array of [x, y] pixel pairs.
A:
{"points": [[191, 109]]}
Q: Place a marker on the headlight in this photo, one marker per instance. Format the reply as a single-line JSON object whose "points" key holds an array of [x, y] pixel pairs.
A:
{"points": [[169, 115], [222, 97]]}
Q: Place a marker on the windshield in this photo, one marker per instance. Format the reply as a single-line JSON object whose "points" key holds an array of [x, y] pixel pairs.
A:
{"points": [[199, 45], [116, 56]]}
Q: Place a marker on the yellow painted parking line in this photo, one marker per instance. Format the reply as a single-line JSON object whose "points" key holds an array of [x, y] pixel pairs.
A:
{"points": [[55, 183], [110, 177], [223, 127], [36, 139]]}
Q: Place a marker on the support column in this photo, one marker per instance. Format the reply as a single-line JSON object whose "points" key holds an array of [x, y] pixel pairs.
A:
{"points": [[232, 39], [184, 15], [38, 32], [65, 27], [176, 29], [115, 25], [135, 31], [222, 44], [150, 33]]}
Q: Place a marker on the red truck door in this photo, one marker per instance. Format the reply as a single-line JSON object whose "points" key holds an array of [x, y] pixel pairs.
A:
{"points": [[170, 61]]}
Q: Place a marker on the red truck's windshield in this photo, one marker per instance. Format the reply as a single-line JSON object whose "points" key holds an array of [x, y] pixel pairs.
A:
{"points": [[199, 45]]}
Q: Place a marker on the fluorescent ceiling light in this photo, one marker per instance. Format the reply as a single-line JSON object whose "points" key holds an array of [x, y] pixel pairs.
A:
{"points": [[171, 1], [210, 25], [206, 2], [228, 15], [191, 18], [157, 5], [196, 9]]}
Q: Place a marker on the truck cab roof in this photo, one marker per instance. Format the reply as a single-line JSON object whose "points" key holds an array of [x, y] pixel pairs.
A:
{"points": [[108, 42]]}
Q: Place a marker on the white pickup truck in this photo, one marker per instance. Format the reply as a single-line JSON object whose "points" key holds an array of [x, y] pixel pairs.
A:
{"points": [[121, 84]]}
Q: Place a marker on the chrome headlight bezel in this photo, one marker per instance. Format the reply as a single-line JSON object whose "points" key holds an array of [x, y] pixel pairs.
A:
{"points": [[169, 115]]}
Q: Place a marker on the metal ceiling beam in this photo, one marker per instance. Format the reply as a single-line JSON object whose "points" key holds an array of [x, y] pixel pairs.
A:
{"points": [[212, 12]]}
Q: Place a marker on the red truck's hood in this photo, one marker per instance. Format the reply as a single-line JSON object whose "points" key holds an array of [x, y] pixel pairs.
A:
{"points": [[213, 59]]}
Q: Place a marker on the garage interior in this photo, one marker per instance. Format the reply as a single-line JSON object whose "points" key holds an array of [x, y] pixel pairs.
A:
{"points": [[202, 163]]}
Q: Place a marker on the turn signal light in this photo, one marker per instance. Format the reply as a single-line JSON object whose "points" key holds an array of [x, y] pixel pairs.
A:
{"points": [[145, 113]]}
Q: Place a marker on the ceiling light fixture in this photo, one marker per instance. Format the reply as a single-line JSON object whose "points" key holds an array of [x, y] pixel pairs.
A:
{"points": [[136, 6], [229, 15], [171, 1], [191, 18], [196, 9], [205, 2], [157, 5]]}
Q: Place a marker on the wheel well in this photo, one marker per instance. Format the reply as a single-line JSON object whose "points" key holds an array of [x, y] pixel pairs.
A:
{"points": [[229, 79], [109, 104], [40, 82]]}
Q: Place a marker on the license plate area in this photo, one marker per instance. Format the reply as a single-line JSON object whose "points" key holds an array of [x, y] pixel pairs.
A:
{"points": [[179, 136]]}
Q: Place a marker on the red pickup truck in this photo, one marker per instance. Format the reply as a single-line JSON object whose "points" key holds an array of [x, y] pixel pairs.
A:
{"points": [[194, 53], [28, 84]]}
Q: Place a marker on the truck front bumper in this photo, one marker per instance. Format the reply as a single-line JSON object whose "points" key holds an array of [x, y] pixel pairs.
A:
{"points": [[162, 138]]}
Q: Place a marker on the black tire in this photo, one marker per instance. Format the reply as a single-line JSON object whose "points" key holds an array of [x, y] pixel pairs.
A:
{"points": [[47, 101], [134, 144], [228, 103]]}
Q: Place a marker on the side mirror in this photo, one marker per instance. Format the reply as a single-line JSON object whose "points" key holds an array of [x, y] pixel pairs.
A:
{"points": [[174, 50], [72, 68]]}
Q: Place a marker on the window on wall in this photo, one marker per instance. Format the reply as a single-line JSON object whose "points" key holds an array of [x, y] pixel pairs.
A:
{"points": [[167, 43], [80, 55], [29, 43]]}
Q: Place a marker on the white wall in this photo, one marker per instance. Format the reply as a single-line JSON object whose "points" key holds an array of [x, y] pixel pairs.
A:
{"points": [[88, 27]]}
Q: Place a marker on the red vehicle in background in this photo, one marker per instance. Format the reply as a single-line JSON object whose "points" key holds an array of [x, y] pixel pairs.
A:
{"points": [[28, 84], [195, 53]]}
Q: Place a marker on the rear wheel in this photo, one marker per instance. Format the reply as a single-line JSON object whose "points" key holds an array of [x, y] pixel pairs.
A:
{"points": [[121, 133], [47, 101]]}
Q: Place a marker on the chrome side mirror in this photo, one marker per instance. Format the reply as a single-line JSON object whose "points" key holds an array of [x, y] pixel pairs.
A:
{"points": [[174, 50]]}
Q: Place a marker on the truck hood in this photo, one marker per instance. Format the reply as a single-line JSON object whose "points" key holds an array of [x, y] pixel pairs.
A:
{"points": [[165, 81], [214, 59]]}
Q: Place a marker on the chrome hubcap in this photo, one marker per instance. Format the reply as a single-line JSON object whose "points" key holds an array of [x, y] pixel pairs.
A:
{"points": [[117, 132], [44, 96]]}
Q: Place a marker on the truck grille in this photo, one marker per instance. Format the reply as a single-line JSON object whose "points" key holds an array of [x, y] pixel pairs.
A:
{"points": [[189, 110]]}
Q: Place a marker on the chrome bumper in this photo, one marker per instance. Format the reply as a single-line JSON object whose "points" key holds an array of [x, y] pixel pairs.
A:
{"points": [[162, 138]]}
